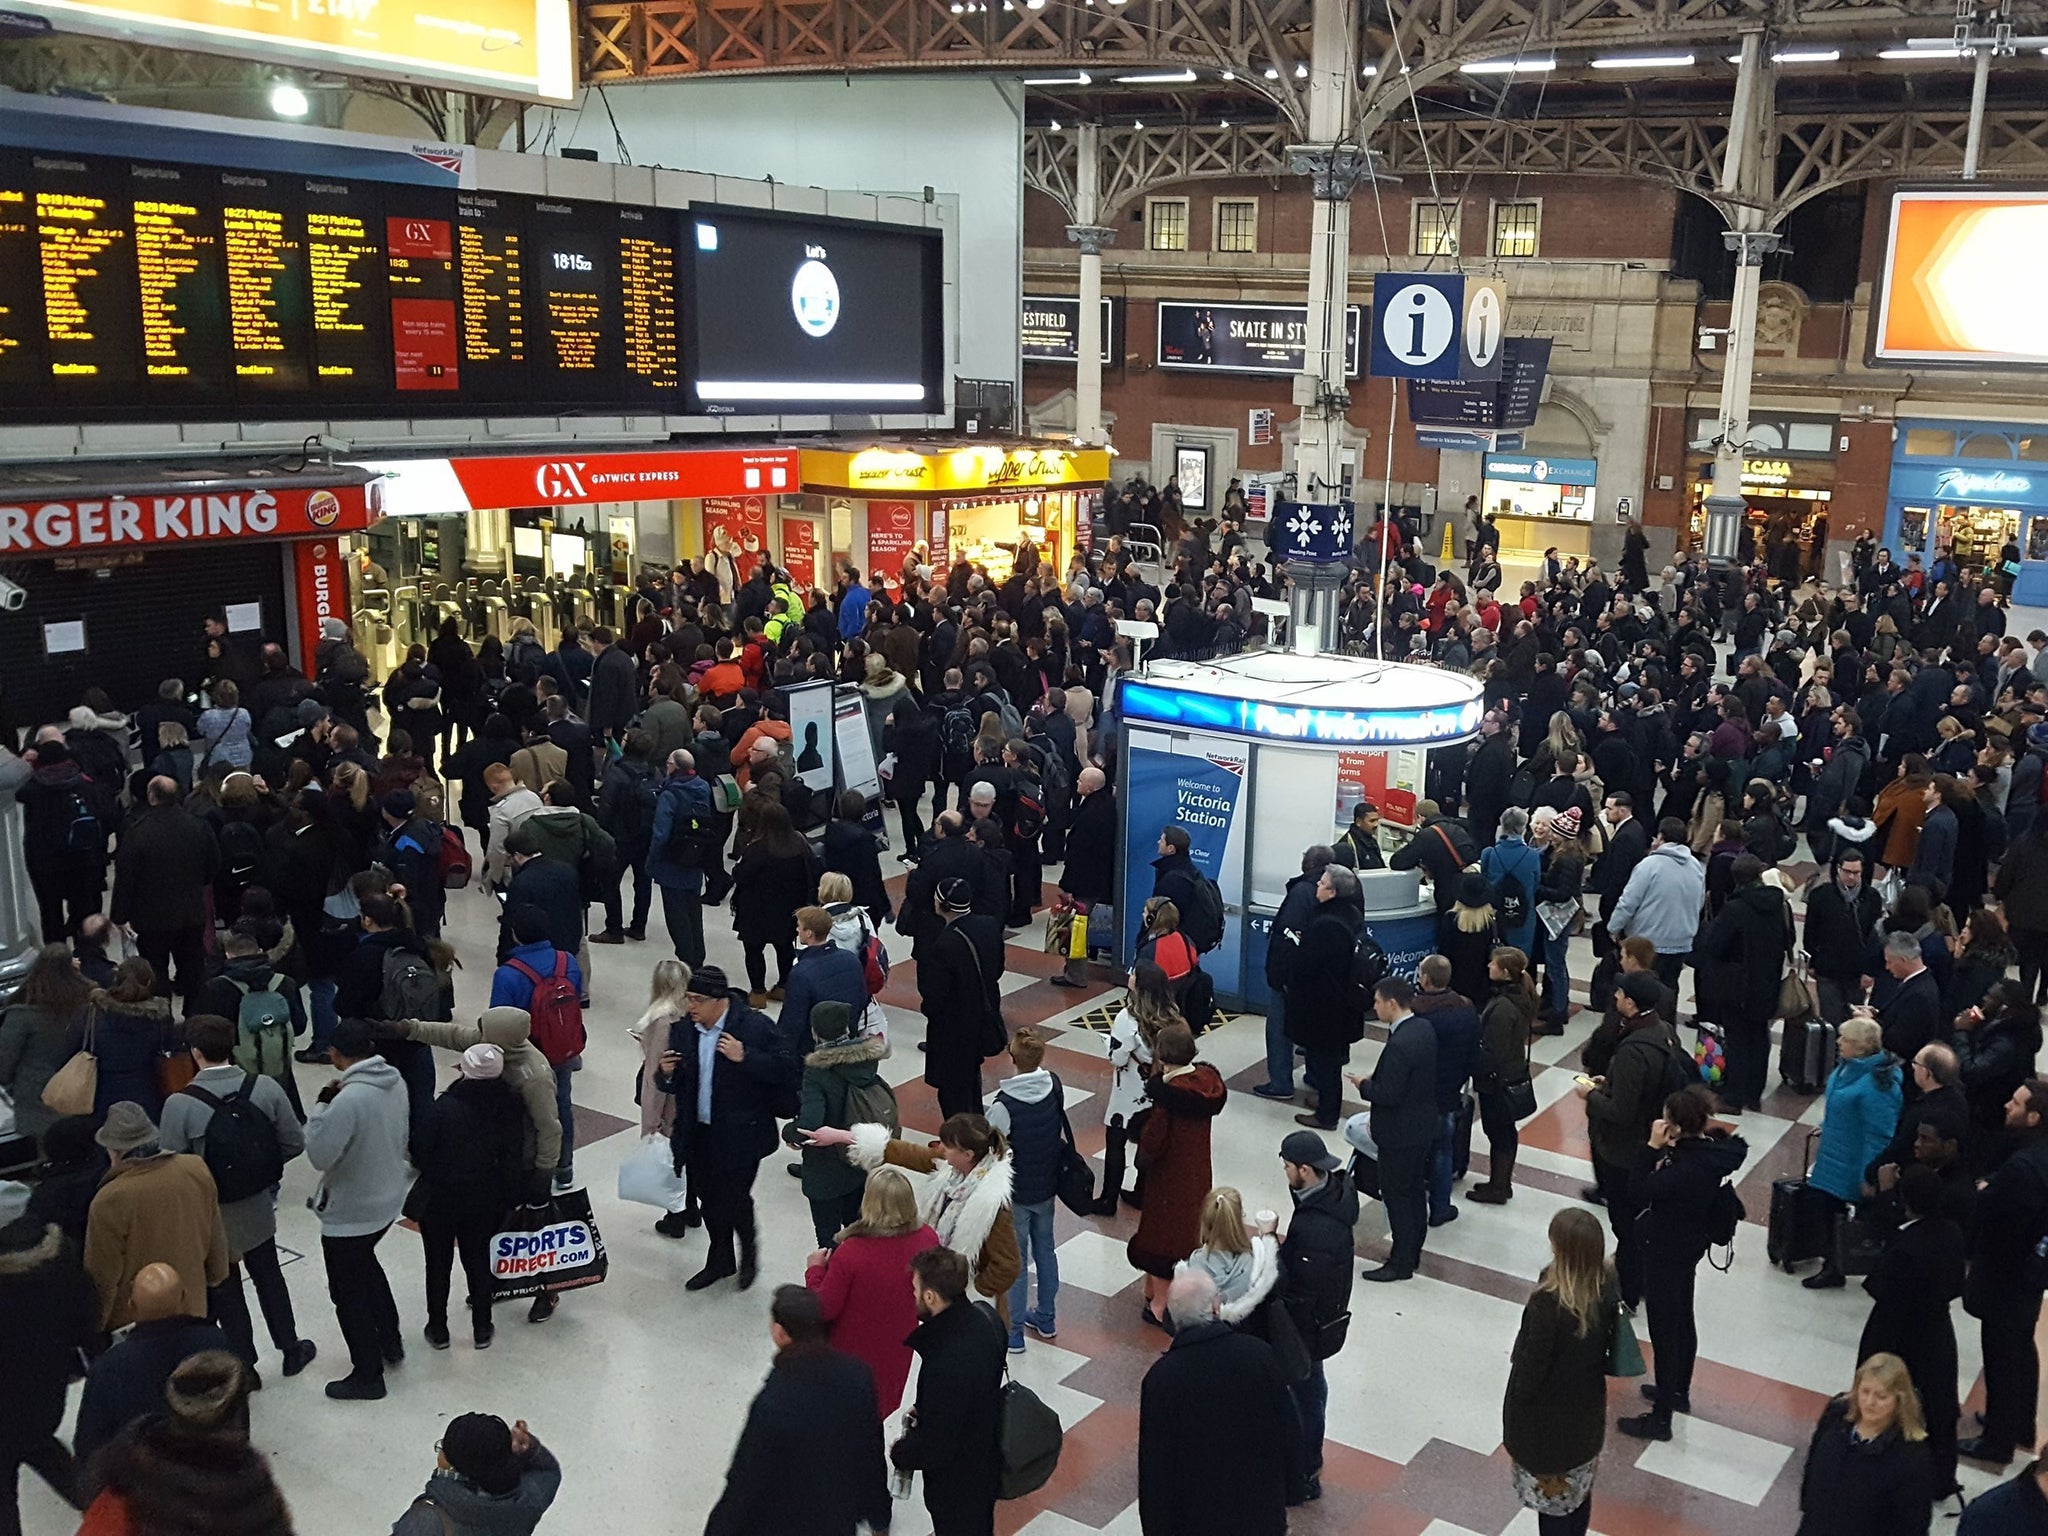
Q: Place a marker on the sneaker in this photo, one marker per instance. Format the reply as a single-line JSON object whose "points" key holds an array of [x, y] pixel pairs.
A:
{"points": [[299, 1356], [437, 1335], [1654, 1425], [357, 1389], [1042, 1326], [481, 1333], [1016, 1343], [1268, 1091]]}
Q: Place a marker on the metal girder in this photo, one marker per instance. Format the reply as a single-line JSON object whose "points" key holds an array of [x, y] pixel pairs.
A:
{"points": [[103, 66], [1815, 153]]}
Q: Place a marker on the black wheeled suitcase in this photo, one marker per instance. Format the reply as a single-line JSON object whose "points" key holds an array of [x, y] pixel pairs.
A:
{"points": [[1806, 1054], [1802, 1219]]}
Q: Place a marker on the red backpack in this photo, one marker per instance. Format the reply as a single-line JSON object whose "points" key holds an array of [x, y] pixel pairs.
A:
{"points": [[557, 1016], [451, 860]]}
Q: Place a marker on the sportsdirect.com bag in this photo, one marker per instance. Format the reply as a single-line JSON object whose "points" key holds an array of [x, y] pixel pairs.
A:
{"points": [[545, 1248]]}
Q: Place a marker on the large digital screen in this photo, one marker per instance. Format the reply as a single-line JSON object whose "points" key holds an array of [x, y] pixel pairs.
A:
{"points": [[501, 47], [1049, 329], [1244, 338], [789, 313], [137, 291], [1954, 286]]}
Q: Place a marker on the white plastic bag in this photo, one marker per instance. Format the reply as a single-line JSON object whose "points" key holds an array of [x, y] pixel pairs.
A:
{"points": [[648, 1176]]}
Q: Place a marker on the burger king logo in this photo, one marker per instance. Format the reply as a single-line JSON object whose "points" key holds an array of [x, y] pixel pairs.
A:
{"points": [[322, 508]]}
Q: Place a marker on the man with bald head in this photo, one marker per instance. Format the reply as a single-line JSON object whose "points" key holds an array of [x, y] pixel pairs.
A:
{"points": [[163, 867], [1219, 1453], [127, 1382], [1941, 1103]]}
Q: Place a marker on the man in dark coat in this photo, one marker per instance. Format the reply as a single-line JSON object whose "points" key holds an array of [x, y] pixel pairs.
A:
{"points": [[1915, 1279], [66, 817], [1174, 874], [48, 1312], [2004, 1288], [548, 883], [2017, 1508], [1405, 1122], [162, 871], [948, 854], [953, 1427], [958, 971], [1627, 841], [1297, 909], [1648, 1066], [1440, 848], [613, 691], [1487, 776], [727, 1071], [410, 847], [809, 1461], [1218, 1451], [1841, 915], [1321, 1015], [127, 1382], [1090, 872], [1912, 1015], [1941, 1104], [1315, 1276], [1455, 1022]]}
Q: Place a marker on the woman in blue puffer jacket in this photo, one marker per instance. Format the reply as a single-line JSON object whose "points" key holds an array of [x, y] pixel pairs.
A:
{"points": [[1863, 1100]]}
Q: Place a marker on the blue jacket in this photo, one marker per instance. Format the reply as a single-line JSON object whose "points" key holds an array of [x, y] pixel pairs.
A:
{"points": [[2016, 1508], [823, 973], [1456, 1025], [509, 989], [1512, 856], [853, 611], [1862, 1112], [680, 798]]}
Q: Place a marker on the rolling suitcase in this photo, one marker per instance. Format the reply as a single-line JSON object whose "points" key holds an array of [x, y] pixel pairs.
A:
{"points": [[1802, 1219], [1806, 1055]]}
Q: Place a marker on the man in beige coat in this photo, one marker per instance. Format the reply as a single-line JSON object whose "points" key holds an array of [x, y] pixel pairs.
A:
{"points": [[156, 1207], [527, 1073]]}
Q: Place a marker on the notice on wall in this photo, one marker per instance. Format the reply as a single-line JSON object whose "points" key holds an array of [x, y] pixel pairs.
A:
{"points": [[66, 638], [892, 534], [800, 550], [244, 618]]}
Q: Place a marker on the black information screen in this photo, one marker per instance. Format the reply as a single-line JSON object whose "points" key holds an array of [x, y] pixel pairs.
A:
{"points": [[791, 313]]}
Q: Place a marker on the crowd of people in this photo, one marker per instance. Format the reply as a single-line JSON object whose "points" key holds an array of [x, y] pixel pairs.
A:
{"points": [[257, 876]]}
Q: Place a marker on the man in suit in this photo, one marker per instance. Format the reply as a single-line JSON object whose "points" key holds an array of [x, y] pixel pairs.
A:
{"points": [[1402, 1093], [1911, 1016], [1941, 1104], [1627, 841], [958, 974], [1919, 1273], [726, 1073]]}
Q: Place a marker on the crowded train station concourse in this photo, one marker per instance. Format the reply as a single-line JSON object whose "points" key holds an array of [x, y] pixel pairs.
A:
{"points": [[1073, 768]]}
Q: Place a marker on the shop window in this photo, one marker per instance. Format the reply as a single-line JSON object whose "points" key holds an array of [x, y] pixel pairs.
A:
{"points": [[1237, 224], [1516, 227], [1436, 229], [1166, 223], [1912, 528], [2034, 448], [1987, 445], [1764, 437], [2037, 538], [1930, 443], [1810, 436]]}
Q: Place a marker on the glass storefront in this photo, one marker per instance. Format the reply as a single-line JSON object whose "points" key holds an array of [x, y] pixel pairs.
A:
{"points": [[1976, 492]]}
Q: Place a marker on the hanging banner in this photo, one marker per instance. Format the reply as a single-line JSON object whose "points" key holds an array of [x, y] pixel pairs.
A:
{"points": [[735, 537], [892, 534], [320, 572], [800, 550], [1195, 783]]}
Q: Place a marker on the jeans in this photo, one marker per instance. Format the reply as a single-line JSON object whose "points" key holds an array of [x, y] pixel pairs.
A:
{"points": [[362, 1300], [1557, 981], [913, 824], [1279, 1049], [1674, 1330], [1670, 968], [1324, 1071], [614, 898], [322, 989], [1404, 1191], [1441, 1173], [683, 912], [229, 1307], [757, 961], [1311, 1401], [563, 1081], [1034, 1240]]}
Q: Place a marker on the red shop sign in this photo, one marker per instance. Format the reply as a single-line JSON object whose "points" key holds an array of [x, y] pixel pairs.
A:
{"points": [[320, 573], [431, 487], [36, 526], [800, 550]]}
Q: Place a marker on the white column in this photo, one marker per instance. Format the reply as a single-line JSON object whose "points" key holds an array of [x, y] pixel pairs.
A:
{"points": [[1091, 236]]}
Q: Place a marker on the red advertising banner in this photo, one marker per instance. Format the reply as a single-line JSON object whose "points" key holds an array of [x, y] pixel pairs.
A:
{"points": [[736, 528], [800, 550], [110, 521], [320, 575], [892, 532], [438, 487]]}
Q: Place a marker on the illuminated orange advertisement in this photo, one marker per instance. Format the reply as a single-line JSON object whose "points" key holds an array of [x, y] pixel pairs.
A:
{"points": [[1957, 279], [508, 47]]}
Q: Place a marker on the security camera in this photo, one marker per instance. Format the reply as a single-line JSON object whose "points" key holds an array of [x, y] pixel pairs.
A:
{"points": [[13, 598]]}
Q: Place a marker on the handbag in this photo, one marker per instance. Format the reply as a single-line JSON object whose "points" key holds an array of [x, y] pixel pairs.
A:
{"points": [[1859, 1243], [1795, 997], [1076, 1187], [1329, 1337], [1520, 1097], [74, 1087], [174, 1072], [1624, 1354]]}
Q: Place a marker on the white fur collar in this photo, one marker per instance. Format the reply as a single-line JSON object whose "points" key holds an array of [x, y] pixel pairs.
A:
{"points": [[970, 1218]]}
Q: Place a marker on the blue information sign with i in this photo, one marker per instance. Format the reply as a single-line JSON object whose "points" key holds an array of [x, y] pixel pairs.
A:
{"points": [[1417, 318]]}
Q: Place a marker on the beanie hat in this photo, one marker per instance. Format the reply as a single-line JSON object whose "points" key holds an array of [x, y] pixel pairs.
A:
{"points": [[482, 1062], [479, 1447]]}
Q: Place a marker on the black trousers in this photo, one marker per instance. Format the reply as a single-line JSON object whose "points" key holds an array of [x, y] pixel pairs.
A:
{"points": [[1503, 1134], [66, 896], [362, 1300], [1114, 1139], [1674, 1331], [1404, 1191], [757, 961], [470, 1235], [683, 912], [1669, 969], [1749, 1061], [186, 947], [229, 1307], [614, 898], [1617, 1186], [1027, 884], [52, 1462], [2012, 1367], [913, 824], [725, 1190], [1574, 1524], [828, 1216]]}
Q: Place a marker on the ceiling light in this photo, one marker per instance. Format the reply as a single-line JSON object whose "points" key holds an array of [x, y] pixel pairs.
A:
{"points": [[1226, 122], [1139, 127], [1179, 77], [1949, 52], [1034, 5], [1272, 74], [1647, 61], [287, 100], [1301, 71], [1370, 69], [1228, 75], [1055, 125], [1799, 56], [1078, 77], [1508, 67]]}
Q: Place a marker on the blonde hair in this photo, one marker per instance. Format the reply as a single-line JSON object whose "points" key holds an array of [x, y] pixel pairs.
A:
{"points": [[888, 1207], [1161, 915], [1564, 736], [1473, 919], [1577, 1272], [834, 887], [1865, 1034], [1889, 1372], [350, 779], [668, 988], [1223, 1221]]}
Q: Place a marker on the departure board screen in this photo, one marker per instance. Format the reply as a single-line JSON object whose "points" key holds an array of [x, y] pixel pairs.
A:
{"points": [[134, 291]]}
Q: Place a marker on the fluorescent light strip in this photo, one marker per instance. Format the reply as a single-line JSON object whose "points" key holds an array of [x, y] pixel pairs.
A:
{"points": [[786, 390], [1508, 67], [1933, 54], [1182, 77], [1647, 61], [1079, 77], [1799, 56]]}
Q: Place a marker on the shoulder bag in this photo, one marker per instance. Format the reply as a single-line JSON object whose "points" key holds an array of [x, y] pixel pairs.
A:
{"points": [[74, 1087], [1076, 1187], [1624, 1354], [995, 1035]]}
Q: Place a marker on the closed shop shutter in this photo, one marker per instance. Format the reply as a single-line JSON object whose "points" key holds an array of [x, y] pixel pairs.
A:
{"points": [[142, 624]]}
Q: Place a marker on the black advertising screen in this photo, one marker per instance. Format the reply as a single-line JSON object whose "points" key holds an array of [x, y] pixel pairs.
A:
{"points": [[133, 291], [790, 313], [1244, 338]]}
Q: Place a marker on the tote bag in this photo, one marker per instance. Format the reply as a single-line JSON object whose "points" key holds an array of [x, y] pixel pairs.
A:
{"points": [[75, 1086]]}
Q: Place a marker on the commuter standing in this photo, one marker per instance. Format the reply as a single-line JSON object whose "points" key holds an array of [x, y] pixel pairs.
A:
{"points": [[163, 868], [1404, 1122], [1866, 1470], [48, 1313], [1324, 1018], [1030, 1110], [470, 1151], [958, 970], [1554, 1418], [1648, 1066], [864, 1286], [683, 843], [1916, 1278], [2004, 1289], [154, 1207], [489, 1479], [1315, 1280], [951, 1433]]}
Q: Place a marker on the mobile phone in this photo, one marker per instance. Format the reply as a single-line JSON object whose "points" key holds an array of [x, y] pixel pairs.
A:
{"points": [[1586, 1082]]}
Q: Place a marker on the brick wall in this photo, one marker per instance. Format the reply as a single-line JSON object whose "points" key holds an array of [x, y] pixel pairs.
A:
{"points": [[1863, 473]]}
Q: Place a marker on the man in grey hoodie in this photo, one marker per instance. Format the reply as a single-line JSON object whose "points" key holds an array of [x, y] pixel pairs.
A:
{"points": [[1662, 899], [356, 1138]]}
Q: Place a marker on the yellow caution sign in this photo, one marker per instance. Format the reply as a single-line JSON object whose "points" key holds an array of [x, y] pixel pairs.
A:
{"points": [[1450, 528]]}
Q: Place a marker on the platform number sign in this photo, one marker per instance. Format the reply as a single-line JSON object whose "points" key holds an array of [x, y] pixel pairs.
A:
{"points": [[1416, 320], [1486, 317]]}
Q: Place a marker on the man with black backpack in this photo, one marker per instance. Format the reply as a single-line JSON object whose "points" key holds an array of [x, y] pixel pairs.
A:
{"points": [[243, 1127], [66, 817], [625, 808], [683, 842], [410, 848], [1192, 892]]}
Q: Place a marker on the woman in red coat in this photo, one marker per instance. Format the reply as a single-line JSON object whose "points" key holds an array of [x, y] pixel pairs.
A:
{"points": [[864, 1283], [1173, 1161]]}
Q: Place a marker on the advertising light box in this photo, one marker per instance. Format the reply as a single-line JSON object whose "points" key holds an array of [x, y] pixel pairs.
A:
{"points": [[502, 47], [1244, 338], [1049, 329], [1956, 286]]}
